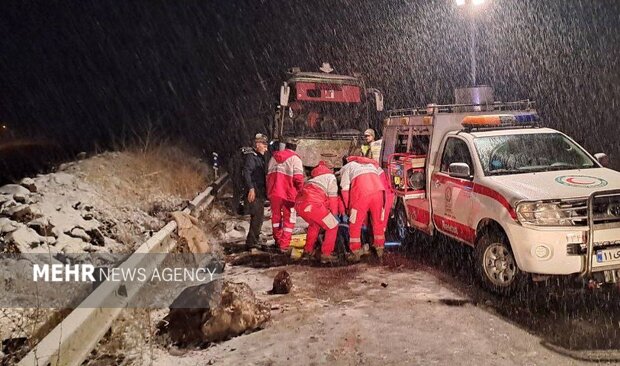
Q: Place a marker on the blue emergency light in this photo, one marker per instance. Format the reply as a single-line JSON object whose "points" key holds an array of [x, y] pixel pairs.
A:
{"points": [[527, 118]]}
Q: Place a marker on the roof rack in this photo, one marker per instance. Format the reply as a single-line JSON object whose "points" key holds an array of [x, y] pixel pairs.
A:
{"points": [[519, 105], [322, 77]]}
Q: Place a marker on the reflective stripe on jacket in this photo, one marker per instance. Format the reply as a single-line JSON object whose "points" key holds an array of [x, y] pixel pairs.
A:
{"points": [[285, 175], [359, 178], [321, 190]]}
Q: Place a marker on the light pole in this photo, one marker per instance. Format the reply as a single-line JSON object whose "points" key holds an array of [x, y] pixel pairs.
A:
{"points": [[471, 8]]}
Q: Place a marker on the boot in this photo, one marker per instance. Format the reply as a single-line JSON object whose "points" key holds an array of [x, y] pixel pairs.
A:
{"points": [[365, 250], [328, 259], [379, 251], [355, 256]]}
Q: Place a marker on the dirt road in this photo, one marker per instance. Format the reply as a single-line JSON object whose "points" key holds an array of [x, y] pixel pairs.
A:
{"points": [[404, 312]]}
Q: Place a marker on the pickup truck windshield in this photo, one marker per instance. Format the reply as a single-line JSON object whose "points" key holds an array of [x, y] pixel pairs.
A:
{"points": [[527, 153]]}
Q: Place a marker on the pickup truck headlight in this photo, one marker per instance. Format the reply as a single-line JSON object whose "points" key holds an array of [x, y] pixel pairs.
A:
{"points": [[543, 214]]}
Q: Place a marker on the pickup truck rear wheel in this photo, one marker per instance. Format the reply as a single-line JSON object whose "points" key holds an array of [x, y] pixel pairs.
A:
{"points": [[496, 264], [397, 229]]}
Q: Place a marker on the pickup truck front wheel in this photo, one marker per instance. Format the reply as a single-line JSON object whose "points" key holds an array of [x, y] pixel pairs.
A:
{"points": [[496, 264]]}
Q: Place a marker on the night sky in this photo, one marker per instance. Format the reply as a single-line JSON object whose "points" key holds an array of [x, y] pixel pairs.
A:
{"points": [[88, 73]]}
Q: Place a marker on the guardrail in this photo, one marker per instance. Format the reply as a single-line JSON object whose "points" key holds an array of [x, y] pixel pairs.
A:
{"points": [[71, 341]]}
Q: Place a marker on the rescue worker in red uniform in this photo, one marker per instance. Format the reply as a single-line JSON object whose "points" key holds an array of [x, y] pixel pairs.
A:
{"points": [[363, 191], [285, 178], [317, 204]]}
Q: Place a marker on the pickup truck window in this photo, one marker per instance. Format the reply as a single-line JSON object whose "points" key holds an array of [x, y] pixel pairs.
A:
{"points": [[527, 153], [456, 151]]}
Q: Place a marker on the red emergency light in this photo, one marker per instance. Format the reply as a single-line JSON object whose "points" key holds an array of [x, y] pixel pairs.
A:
{"points": [[500, 120]]}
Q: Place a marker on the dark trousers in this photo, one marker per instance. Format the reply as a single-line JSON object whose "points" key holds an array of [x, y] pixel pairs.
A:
{"points": [[256, 210]]}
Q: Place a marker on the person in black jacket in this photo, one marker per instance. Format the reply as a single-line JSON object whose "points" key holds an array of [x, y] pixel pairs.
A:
{"points": [[254, 173]]}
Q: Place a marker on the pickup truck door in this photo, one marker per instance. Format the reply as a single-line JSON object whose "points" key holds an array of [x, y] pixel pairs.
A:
{"points": [[451, 197]]}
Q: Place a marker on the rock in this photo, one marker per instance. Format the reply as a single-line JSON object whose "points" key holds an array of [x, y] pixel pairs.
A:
{"points": [[65, 166], [62, 179], [4, 197], [64, 222], [226, 226], [20, 198], [112, 245], [89, 248], [78, 232], [282, 284], [68, 244], [25, 239], [97, 237], [7, 226], [242, 227], [29, 184], [236, 230], [153, 224], [42, 226], [81, 156], [21, 213], [177, 352], [213, 312], [7, 205], [44, 249], [13, 189]]}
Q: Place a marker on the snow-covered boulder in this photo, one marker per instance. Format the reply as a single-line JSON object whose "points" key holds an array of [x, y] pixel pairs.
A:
{"points": [[13, 189], [29, 184], [7, 226], [25, 239]]}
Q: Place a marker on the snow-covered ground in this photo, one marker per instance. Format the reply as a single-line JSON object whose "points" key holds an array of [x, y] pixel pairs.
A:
{"points": [[370, 315], [408, 310], [109, 203]]}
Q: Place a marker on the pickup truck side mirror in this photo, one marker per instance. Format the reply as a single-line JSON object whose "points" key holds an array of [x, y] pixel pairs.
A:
{"points": [[459, 170], [603, 159]]}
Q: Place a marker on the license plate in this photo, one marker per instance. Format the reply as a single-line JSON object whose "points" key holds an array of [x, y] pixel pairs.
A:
{"points": [[608, 256]]}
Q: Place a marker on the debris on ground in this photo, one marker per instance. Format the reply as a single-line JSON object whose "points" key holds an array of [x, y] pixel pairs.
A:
{"points": [[213, 312], [190, 233], [282, 284]]}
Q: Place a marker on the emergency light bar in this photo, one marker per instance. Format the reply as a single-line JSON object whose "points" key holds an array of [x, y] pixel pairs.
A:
{"points": [[500, 120]]}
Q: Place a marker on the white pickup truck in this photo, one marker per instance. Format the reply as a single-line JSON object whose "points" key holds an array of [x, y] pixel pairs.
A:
{"points": [[530, 200]]}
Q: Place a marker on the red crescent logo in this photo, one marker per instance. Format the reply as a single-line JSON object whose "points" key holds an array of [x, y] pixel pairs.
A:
{"points": [[573, 181]]}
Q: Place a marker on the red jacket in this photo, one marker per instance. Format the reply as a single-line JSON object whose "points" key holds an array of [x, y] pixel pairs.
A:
{"points": [[359, 178], [285, 175], [322, 188]]}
